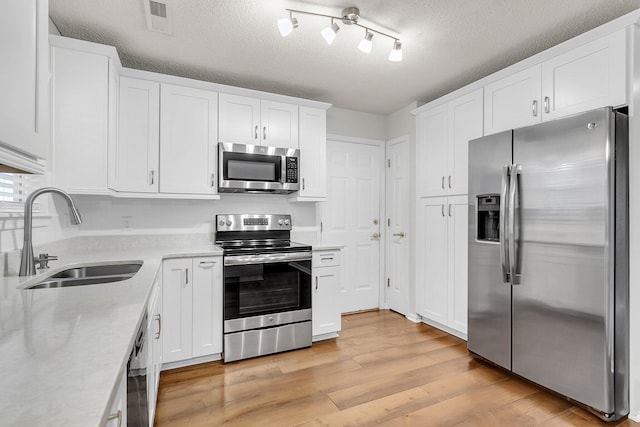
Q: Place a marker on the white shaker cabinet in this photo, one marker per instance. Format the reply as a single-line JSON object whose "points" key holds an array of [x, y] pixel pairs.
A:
{"points": [[24, 104], [591, 76], [326, 285], [441, 262], [137, 145], [81, 90], [154, 343], [188, 140], [207, 306], [513, 102], [442, 137], [191, 308], [247, 120], [313, 154], [585, 78], [117, 415]]}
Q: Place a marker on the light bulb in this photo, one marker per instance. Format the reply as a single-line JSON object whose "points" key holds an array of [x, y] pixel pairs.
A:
{"points": [[286, 25], [366, 44], [329, 33], [396, 52]]}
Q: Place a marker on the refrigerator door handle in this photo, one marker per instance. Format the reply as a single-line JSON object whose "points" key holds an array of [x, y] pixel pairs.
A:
{"points": [[502, 224], [513, 193]]}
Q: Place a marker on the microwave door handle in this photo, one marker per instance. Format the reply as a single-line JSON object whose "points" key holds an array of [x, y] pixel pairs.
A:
{"points": [[504, 256]]}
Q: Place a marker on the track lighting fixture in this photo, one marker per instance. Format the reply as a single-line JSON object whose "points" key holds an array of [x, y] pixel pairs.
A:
{"points": [[350, 16]]}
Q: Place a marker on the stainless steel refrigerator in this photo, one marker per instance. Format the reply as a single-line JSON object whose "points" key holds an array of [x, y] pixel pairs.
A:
{"points": [[548, 263]]}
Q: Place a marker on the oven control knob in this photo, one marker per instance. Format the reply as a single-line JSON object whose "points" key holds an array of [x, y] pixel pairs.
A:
{"points": [[271, 319], [287, 222], [280, 222], [221, 222], [229, 223]]}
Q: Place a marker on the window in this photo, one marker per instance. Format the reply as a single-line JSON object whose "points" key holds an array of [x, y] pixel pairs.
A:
{"points": [[14, 189]]}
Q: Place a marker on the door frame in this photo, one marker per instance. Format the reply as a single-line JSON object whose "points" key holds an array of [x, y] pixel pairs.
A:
{"points": [[404, 139], [382, 254]]}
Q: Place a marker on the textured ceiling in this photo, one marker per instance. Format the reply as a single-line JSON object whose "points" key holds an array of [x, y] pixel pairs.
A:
{"points": [[446, 43]]}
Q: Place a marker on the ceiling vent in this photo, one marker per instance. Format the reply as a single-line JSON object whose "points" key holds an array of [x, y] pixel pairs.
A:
{"points": [[156, 14]]}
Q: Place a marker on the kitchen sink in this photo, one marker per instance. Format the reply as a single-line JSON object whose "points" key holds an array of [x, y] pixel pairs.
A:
{"points": [[89, 275]]}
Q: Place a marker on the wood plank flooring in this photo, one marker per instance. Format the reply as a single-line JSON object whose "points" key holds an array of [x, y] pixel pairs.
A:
{"points": [[383, 370]]}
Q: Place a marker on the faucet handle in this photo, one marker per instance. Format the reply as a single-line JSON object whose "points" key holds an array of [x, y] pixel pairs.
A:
{"points": [[43, 260]]}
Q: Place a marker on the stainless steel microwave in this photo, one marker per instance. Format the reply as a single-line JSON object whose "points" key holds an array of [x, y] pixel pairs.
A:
{"points": [[257, 169]]}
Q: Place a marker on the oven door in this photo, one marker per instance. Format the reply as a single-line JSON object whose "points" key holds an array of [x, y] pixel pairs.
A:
{"points": [[254, 168], [266, 290]]}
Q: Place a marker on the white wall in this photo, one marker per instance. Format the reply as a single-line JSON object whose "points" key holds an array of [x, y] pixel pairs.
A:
{"points": [[356, 124]]}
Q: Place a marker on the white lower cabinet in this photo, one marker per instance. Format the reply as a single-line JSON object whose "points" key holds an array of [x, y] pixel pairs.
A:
{"points": [[326, 293], [154, 346], [192, 308], [441, 262], [117, 415]]}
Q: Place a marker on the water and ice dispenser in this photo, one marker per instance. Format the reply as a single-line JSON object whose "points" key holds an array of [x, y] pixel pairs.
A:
{"points": [[488, 217]]}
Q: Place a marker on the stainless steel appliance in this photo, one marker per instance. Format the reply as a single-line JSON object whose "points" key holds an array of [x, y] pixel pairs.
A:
{"points": [[548, 263], [137, 399], [267, 286], [257, 169]]}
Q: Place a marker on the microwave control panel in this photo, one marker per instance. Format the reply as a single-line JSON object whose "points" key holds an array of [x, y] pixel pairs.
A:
{"points": [[291, 170]]}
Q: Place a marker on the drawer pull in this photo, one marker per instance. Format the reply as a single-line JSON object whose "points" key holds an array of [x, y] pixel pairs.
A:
{"points": [[116, 416]]}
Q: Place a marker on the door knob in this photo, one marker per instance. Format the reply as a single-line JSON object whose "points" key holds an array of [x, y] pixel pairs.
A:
{"points": [[375, 235], [400, 234]]}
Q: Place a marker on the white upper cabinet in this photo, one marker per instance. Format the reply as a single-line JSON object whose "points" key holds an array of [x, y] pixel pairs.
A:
{"points": [[188, 133], [81, 87], [313, 154], [239, 119], [442, 137], [24, 103], [279, 124], [513, 102], [591, 76], [246, 120], [431, 150], [137, 145]]}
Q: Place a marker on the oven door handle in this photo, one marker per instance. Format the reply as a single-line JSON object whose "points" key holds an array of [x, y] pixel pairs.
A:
{"points": [[266, 258]]}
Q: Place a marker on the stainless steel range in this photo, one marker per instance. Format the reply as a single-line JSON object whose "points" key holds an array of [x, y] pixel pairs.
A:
{"points": [[267, 286]]}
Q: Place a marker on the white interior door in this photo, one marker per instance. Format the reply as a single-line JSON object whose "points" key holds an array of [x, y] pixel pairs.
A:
{"points": [[351, 218], [397, 225]]}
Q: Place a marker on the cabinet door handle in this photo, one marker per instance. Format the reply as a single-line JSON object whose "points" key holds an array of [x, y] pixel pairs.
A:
{"points": [[449, 209], [400, 234], [264, 133], [316, 283], [534, 108], [213, 180], [186, 276], [442, 209], [116, 416], [443, 182], [255, 136], [159, 319], [152, 178], [546, 104], [303, 183], [449, 181]]}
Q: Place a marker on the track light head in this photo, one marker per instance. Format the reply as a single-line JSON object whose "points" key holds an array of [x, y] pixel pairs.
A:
{"points": [[366, 44], [329, 33], [396, 52], [287, 25]]}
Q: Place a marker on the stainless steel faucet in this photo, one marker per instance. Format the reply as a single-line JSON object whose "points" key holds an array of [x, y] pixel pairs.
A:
{"points": [[27, 262]]}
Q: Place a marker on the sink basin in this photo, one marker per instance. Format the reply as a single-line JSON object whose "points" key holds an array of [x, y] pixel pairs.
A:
{"points": [[89, 275]]}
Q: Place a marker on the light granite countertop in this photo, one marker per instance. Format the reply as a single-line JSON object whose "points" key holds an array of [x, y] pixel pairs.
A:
{"points": [[62, 351]]}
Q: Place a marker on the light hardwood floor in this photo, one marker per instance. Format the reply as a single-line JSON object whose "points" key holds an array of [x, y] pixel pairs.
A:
{"points": [[383, 370]]}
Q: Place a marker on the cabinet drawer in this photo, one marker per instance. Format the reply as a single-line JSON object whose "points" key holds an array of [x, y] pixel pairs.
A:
{"points": [[326, 258]]}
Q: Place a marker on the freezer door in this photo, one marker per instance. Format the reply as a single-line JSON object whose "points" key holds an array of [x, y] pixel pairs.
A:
{"points": [[563, 306], [489, 298]]}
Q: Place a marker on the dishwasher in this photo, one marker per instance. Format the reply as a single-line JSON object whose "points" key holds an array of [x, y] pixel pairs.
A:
{"points": [[137, 402]]}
